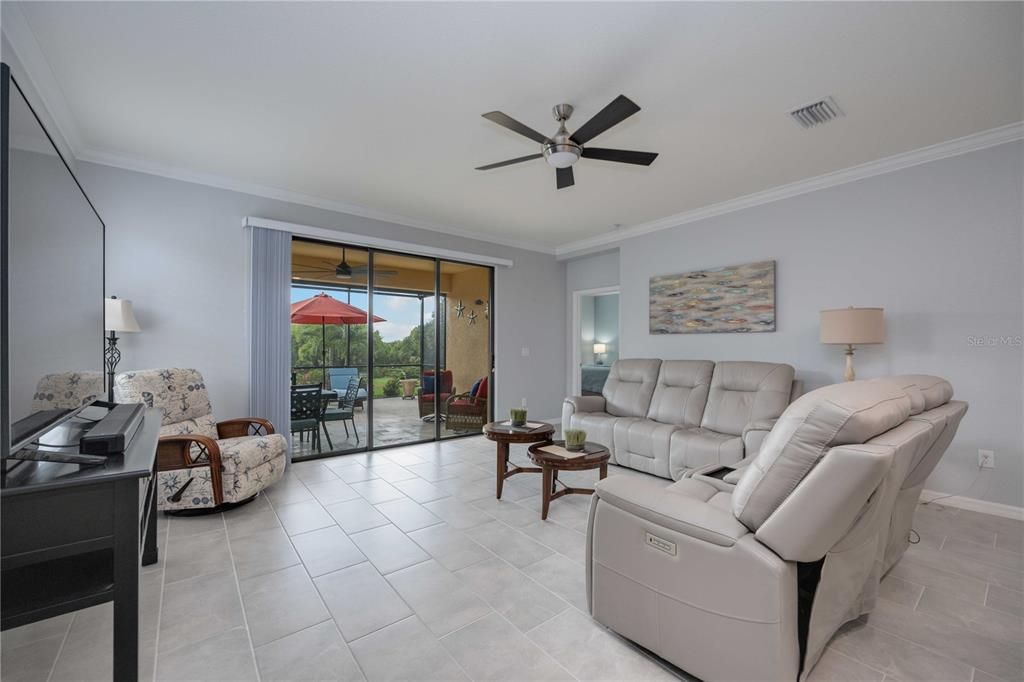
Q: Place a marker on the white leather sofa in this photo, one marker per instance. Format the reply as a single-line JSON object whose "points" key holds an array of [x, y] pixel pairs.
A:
{"points": [[750, 581], [668, 417]]}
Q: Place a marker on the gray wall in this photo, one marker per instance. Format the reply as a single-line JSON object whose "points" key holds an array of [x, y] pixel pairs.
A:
{"points": [[178, 250], [939, 246], [587, 272]]}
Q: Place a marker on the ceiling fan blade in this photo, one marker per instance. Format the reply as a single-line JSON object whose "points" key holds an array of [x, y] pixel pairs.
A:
{"points": [[564, 177], [489, 166], [618, 111], [514, 125], [620, 155]]}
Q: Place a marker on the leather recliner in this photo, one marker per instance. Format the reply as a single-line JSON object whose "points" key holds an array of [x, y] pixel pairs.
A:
{"points": [[750, 581], [668, 417]]}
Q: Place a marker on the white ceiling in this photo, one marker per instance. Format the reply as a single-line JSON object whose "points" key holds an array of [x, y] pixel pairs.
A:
{"points": [[377, 105]]}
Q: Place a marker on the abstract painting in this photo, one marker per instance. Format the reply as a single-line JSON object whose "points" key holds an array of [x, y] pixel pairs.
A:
{"points": [[738, 298]]}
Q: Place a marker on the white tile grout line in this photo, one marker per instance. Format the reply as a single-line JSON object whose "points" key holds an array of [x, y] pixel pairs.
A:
{"points": [[414, 614], [312, 580], [926, 647], [60, 649], [163, 586], [241, 602]]}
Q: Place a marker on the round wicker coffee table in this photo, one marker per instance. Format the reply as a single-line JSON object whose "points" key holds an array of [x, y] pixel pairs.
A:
{"points": [[503, 435], [595, 456]]}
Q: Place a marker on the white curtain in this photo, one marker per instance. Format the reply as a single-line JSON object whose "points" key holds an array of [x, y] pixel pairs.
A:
{"points": [[270, 328]]}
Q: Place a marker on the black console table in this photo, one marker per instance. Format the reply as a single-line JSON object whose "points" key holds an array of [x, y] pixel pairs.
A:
{"points": [[73, 536]]}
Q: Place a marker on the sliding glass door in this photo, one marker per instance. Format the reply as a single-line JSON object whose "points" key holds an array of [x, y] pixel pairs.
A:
{"points": [[397, 347], [404, 363], [469, 363]]}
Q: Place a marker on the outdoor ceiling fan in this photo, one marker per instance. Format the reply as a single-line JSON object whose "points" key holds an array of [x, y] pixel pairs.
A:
{"points": [[563, 149], [342, 270]]}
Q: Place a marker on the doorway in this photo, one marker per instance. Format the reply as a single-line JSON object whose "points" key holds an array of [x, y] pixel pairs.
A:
{"points": [[594, 338], [404, 354]]}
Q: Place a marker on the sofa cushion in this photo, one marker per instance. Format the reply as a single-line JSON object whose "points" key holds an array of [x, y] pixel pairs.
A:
{"points": [[741, 392], [840, 414], [695, 447], [681, 392], [643, 444], [599, 427], [629, 387]]}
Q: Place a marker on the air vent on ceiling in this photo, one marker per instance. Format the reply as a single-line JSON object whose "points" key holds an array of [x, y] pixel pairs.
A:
{"points": [[817, 113]]}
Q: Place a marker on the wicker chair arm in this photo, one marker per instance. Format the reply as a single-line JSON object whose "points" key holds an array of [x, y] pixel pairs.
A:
{"points": [[175, 452], [235, 428], [460, 396]]}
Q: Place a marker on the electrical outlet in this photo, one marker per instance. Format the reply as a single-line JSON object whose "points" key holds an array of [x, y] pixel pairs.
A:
{"points": [[986, 459]]}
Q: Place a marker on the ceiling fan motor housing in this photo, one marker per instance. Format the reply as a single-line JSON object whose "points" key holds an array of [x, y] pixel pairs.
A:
{"points": [[560, 151]]}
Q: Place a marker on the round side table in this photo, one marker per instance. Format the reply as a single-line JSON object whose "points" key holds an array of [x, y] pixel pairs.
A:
{"points": [[595, 456], [503, 435]]}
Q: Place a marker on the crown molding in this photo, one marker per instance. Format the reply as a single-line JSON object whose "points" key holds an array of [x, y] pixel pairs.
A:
{"points": [[223, 182], [40, 76], [935, 152], [35, 72], [38, 73]]}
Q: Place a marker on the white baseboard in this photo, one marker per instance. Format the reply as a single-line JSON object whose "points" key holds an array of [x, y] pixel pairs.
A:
{"points": [[983, 506]]}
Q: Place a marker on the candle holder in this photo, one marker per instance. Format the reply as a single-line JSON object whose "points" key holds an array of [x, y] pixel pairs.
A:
{"points": [[575, 440], [518, 416]]}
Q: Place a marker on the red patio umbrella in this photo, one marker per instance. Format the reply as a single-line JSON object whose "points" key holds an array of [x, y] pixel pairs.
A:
{"points": [[324, 310]]}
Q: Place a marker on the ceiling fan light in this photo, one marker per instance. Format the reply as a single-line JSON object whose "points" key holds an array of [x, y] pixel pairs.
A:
{"points": [[562, 159]]}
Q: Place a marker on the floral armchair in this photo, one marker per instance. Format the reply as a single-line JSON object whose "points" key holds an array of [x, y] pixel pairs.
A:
{"points": [[68, 390], [203, 463]]}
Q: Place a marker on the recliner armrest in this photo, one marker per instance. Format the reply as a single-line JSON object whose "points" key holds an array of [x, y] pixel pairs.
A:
{"points": [[586, 403], [652, 501]]}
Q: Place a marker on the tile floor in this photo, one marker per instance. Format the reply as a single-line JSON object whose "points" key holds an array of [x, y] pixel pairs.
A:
{"points": [[400, 564], [395, 420]]}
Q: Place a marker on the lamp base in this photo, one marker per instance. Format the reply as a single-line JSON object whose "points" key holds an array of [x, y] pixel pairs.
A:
{"points": [[111, 356], [849, 374]]}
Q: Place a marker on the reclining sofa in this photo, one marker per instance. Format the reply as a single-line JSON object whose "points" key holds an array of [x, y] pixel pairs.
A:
{"points": [[669, 417], [749, 580]]}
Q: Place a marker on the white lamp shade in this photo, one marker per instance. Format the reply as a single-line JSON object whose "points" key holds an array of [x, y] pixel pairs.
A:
{"points": [[119, 315], [853, 326], [600, 348]]}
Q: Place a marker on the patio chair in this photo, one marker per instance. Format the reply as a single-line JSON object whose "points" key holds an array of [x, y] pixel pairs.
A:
{"points": [[426, 392], [468, 411], [203, 464], [339, 378], [345, 412], [306, 411]]}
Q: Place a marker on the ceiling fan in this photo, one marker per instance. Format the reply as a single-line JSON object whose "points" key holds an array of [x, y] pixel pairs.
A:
{"points": [[342, 270], [563, 149]]}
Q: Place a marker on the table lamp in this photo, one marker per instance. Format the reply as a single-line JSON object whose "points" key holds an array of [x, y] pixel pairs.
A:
{"points": [[852, 327], [119, 317], [599, 350]]}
